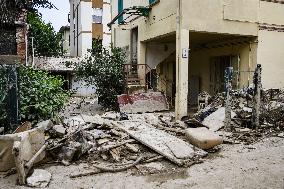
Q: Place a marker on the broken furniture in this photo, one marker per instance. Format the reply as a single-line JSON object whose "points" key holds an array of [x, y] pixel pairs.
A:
{"points": [[22, 150]]}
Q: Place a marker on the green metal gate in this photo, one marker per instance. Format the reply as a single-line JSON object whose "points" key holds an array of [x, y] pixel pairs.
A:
{"points": [[9, 96]]}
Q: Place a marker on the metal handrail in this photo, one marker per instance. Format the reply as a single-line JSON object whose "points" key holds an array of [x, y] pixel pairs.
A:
{"points": [[147, 69]]}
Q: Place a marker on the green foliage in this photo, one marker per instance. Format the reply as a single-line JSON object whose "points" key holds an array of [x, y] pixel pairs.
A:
{"points": [[10, 10], [46, 39], [104, 69], [41, 95]]}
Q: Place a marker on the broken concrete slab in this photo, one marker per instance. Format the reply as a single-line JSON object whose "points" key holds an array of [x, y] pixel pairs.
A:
{"points": [[98, 120], [203, 138], [39, 179], [215, 121], [159, 141], [143, 102], [111, 115], [58, 131], [74, 121], [45, 125]]}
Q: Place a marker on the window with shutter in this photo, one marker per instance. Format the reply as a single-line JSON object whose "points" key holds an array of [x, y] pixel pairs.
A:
{"points": [[97, 15]]}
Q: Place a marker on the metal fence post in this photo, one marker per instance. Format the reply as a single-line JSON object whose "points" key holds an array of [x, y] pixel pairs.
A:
{"points": [[256, 96], [12, 101], [228, 103]]}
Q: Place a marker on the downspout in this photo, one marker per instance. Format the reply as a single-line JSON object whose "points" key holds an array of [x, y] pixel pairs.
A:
{"points": [[26, 44]]}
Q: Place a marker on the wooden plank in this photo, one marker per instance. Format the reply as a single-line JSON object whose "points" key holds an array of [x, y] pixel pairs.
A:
{"points": [[9, 59], [171, 147]]}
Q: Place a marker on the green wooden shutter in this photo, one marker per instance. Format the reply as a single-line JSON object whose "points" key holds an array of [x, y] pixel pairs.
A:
{"points": [[120, 9], [152, 1]]}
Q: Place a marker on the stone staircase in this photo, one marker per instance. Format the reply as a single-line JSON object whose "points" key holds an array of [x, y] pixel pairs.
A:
{"points": [[133, 84]]}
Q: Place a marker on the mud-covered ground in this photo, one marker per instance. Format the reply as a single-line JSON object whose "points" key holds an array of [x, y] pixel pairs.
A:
{"points": [[258, 166]]}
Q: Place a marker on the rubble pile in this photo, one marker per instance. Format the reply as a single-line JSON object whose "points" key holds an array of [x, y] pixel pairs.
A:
{"points": [[115, 142], [95, 136], [271, 115], [104, 142]]}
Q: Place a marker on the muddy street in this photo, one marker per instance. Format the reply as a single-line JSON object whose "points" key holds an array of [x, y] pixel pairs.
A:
{"points": [[235, 166]]}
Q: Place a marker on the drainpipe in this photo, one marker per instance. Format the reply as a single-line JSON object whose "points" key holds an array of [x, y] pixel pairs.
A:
{"points": [[26, 40]]}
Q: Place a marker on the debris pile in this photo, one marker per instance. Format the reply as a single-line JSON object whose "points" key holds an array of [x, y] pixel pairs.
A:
{"points": [[107, 140], [115, 142], [242, 129]]}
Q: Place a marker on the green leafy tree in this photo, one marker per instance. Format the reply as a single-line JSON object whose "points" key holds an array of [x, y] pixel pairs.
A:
{"points": [[104, 68], [46, 39], [10, 10]]}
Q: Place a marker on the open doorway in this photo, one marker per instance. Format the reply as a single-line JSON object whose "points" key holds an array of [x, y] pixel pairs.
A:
{"points": [[218, 66]]}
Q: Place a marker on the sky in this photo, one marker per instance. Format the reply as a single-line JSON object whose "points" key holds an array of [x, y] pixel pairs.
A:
{"points": [[58, 17]]}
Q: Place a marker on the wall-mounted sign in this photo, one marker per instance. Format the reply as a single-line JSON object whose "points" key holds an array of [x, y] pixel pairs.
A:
{"points": [[185, 53]]}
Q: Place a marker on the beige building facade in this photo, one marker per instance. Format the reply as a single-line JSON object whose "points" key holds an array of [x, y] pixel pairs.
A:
{"points": [[189, 43]]}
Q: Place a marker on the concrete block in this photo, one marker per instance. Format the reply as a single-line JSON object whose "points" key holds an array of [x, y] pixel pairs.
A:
{"points": [[203, 138], [58, 131], [215, 121], [143, 102], [39, 179], [45, 125]]}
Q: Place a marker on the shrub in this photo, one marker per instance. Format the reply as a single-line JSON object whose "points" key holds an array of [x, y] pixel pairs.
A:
{"points": [[41, 95], [104, 69]]}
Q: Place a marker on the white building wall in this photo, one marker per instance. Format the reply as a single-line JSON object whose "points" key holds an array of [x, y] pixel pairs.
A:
{"points": [[85, 21], [66, 46], [80, 46], [106, 20]]}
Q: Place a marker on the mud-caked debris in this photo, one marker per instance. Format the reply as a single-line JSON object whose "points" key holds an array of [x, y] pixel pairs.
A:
{"points": [[58, 131], [203, 138], [39, 179]]}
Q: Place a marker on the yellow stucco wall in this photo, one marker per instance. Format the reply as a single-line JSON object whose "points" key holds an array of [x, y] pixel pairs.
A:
{"points": [[236, 17], [271, 13], [162, 20], [221, 16], [199, 64], [271, 45], [271, 57]]}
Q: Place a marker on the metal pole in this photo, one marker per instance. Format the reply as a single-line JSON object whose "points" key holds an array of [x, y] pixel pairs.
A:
{"points": [[257, 96], [228, 102], [26, 40], [33, 52]]}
